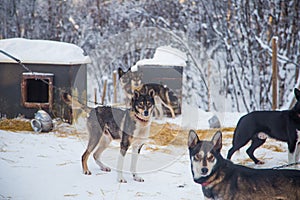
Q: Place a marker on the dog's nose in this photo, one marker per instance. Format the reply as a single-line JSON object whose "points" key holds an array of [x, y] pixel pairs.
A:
{"points": [[204, 170], [146, 113]]}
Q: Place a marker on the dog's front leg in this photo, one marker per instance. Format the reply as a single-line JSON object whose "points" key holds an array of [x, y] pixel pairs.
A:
{"points": [[120, 168], [135, 153], [293, 158], [158, 108], [124, 148], [297, 149]]}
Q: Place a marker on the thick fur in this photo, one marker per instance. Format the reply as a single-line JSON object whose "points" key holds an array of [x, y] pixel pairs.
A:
{"points": [[106, 123], [223, 180], [131, 80], [280, 125]]}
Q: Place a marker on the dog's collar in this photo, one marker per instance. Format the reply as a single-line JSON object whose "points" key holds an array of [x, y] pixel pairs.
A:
{"points": [[139, 118], [204, 184], [208, 180]]}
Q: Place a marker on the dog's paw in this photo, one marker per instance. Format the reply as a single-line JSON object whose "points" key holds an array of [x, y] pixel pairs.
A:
{"points": [[260, 163], [122, 180], [102, 166], [138, 178], [106, 169], [87, 172]]}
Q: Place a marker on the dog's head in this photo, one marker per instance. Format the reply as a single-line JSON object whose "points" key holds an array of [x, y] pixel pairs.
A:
{"points": [[203, 155], [142, 103], [136, 80], [125, 78], [130, 80]]}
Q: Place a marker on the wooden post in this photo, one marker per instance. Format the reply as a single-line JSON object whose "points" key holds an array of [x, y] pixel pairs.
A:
{"points": [[208, 85], [274, 73], [103, 92], [115, 85], [95, 96]]}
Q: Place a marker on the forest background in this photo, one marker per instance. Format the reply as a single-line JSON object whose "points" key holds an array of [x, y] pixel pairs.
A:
{"points": [[228, 43]]}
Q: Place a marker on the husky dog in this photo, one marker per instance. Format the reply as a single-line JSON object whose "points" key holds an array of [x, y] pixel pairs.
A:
{"points": [[281, 125], [129, 80], [222, 180], [166, 97], [106, 123], [132, 80]]}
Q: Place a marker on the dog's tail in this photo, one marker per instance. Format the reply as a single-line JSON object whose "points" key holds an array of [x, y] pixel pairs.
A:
{"points": [[73, 103]]}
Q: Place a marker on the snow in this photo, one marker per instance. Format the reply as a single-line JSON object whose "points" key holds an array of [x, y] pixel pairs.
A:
{"points": [[47, 166], [42, 52], [192, 118], [37, 74], [165, 56]]}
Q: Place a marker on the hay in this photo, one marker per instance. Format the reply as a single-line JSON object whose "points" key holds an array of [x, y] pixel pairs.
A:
{"points": [[161, 134], [172, 134], [273, 147], [164, 134], [15, 125], [62, 129]]}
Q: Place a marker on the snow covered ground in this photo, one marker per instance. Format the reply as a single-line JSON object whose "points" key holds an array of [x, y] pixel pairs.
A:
{"points": [[46, 166]]}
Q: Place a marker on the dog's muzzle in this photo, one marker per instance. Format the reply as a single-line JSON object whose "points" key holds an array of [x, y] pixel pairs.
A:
{"points": [[204, 171], [146, 113]]}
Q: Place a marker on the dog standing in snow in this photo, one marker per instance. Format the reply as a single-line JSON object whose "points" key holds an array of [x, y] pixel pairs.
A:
{"points": [[106, 123], [280, 125]]}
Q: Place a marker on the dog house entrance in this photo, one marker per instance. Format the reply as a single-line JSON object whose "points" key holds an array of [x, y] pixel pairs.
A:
{"points": [[37, 90]]}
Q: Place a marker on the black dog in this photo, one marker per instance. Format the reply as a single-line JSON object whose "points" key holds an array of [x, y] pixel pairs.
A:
{"points": [[280, 125], [221, 179]]}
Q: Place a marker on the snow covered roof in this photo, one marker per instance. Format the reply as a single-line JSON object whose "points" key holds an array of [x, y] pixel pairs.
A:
{"points": [[42, 52], [165, 56]]}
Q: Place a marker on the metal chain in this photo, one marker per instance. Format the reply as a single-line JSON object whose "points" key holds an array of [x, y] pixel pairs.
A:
{"points": [[287, 165]]}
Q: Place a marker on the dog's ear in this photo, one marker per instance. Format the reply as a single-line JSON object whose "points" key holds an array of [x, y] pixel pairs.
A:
{"points": [[193, 139], [151, 92], [297, 94], [217, 141], [120, 72]]}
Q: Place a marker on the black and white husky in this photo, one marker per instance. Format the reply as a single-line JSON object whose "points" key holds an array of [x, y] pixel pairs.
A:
{"points": [[106, 123], [280, 125], [221, 179]]}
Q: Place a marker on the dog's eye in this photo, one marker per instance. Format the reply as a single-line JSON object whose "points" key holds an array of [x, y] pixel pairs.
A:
{"points": [[149, 104], [210, 158], [197, 157], [141, 104]]}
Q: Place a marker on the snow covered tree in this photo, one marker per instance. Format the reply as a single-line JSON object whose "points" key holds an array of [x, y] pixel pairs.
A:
{"points": [[228, 43]]}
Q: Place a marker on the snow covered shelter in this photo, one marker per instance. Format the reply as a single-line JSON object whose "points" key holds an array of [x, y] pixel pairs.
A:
{"points": [[165, 68], [49, 67]]}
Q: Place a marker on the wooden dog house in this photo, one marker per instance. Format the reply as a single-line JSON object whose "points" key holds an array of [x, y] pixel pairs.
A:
{"points": [[49, 67]]}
